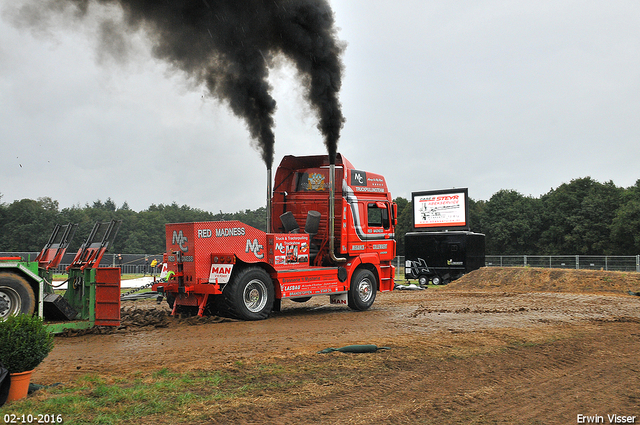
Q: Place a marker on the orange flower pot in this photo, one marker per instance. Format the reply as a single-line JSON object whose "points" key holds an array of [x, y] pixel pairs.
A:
{"points": [[19, 385]]}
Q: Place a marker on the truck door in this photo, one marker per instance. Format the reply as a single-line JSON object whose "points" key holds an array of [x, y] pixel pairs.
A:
{"points": [[380, 230], [373, 228]]}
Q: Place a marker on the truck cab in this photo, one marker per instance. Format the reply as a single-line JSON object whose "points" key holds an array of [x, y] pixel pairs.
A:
{"points": [[365, 214]]}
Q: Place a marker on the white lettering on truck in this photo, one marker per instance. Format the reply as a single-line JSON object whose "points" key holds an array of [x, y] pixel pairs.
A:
{"points": [[180, 239], [231, 231], [254, 247], [220, 273]]}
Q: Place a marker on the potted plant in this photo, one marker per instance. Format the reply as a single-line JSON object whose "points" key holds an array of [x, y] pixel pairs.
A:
{"points": [[24, 344]]}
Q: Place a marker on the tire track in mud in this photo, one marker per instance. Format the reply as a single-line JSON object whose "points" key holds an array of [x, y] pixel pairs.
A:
{"points": [[559, 380], [549, 382], [330, 399], [466, 311]]}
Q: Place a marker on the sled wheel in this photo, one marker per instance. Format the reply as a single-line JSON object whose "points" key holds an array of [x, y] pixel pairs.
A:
{"points": [[423, 280], [436, 280], [249, 295], [362, 292], [16, 296]]}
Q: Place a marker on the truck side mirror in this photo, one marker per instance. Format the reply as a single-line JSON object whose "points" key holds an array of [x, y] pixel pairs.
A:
{"points": [[394, 214]]}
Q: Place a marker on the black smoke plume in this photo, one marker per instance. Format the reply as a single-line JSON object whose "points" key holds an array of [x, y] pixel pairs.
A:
{"points": [[229, 45]]}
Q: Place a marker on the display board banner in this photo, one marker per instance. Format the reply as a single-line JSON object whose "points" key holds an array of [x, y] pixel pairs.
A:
{"points": [[440, 209]]}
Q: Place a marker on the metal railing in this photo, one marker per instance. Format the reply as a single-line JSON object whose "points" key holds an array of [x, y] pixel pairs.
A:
{"points": [[626, 263], [128, 263], [136, 264], [629, 263]]}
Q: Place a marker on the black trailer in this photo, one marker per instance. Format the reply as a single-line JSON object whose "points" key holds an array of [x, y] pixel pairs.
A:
{"points": [[441, 257]]}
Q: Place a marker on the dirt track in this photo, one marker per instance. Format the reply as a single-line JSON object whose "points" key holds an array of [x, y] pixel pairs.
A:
{"points": [[497, 346]]}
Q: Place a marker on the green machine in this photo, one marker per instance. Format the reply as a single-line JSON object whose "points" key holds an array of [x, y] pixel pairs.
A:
{"points": [[92, 294]]}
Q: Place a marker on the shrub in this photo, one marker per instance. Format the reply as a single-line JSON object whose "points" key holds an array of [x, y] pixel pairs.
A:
{"points": [[24, 342]]}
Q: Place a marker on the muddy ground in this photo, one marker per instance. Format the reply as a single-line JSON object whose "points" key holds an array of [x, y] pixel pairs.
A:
{"points": [[500, 345]]}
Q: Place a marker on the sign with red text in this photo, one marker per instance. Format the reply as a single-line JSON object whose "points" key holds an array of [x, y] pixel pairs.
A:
{"points": [[440, 209]]}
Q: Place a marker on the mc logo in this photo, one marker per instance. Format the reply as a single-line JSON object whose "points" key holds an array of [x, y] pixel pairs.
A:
{"points": [[358, 178], [254, 247], [180, 239]]}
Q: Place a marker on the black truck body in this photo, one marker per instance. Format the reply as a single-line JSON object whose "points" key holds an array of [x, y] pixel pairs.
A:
{"points": [[441, 257]]}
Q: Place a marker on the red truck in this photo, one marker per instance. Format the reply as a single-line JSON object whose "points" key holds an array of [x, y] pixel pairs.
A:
{"points": [[345, 249]]}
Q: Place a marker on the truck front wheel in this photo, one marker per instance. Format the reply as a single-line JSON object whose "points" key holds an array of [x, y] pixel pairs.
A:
{"points": [[16, 296], [362, 292], [249, 295]]}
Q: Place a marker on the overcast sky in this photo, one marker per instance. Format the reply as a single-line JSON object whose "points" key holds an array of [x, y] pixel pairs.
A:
{"points": [[489, 95]]}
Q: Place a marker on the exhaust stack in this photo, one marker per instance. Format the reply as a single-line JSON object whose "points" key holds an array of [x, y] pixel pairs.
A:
{"points": [[332, 210], [268, 227]]}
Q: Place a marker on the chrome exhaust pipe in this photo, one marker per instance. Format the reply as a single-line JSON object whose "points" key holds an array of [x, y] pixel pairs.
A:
{"points": [[268, 227], [332, 210]]}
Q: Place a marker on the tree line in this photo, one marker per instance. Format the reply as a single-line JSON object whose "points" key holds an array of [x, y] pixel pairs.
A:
{"points": [[582, 217], [26, 225]]}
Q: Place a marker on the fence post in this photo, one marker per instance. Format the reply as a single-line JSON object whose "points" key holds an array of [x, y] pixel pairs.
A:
{"points": [[638, 263], [577, 262]]}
